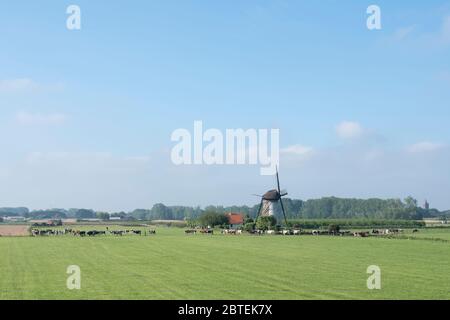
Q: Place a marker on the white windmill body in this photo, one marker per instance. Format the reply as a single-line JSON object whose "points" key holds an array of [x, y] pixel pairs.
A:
{"points": [[267, 208]]}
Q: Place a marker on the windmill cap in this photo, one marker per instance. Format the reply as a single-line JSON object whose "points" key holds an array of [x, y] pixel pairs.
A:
{"points": [[272, 195]]}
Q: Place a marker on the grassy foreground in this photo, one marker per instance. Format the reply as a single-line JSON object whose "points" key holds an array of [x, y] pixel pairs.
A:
{"points": [[172, 265]]}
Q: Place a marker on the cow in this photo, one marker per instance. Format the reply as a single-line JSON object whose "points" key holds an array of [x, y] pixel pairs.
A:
{"points": [[207, 231], [361, 234]]}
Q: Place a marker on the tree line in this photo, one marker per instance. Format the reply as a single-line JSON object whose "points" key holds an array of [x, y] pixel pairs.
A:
{"points": [[324, 208]]}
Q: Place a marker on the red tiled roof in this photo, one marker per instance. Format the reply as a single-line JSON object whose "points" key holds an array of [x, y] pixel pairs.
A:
{"points": [[235, 218]]}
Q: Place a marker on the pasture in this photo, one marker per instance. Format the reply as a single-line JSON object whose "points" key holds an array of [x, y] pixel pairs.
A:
{"points": [[172, 265]]}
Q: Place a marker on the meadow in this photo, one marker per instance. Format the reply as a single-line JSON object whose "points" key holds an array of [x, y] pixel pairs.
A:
{"points": [[172, 265]]}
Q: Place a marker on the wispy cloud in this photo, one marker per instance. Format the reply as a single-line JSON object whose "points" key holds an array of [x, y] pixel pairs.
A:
{"points": [[20, 85], [26, 118], [349, 130], [404, 32], [14, 85], [440, 37], [425, 147], [297, 150]]}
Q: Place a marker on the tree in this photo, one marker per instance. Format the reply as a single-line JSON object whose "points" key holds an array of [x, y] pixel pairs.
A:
{"points": [[84, 214], [102, 216], [266, 223], [141, 214], [121, 215], [48, 214], [13, 212], [410, 202], [160, 212], [212, 219]]}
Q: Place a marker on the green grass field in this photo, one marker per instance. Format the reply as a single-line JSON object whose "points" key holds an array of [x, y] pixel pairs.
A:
{"points": [[172, 265]]}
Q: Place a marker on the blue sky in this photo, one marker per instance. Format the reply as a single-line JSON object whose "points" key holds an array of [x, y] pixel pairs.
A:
{"points": [[86, 116]]}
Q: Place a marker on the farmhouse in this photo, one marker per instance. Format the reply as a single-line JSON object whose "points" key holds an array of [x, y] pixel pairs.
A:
{"points": [[235, 220]]}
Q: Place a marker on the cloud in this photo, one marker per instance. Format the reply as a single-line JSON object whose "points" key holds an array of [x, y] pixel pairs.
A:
{"points": [[297, 150], [402, 33], [14, 85], [26, 119], [438, 38], [349, 130], [425, 147], [20, 85]]}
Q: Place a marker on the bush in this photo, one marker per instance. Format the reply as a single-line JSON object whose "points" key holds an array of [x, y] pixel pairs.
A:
{"points": [[249, 227], [266, 223]]}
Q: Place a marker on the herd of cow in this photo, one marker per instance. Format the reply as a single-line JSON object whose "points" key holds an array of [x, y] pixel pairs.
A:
{"points": [[200, 231], [297, 232], [90, 233]]}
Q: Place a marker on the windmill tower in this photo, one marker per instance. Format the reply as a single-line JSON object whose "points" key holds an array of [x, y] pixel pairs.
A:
{"points": [[269, 199]]}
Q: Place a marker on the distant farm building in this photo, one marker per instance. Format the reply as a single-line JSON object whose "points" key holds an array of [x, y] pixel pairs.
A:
{"points": [[235, 220], [15, 219], [426, 206]]}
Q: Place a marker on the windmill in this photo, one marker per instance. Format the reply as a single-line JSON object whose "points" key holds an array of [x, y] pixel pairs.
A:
{"points": [[269, 199]]}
